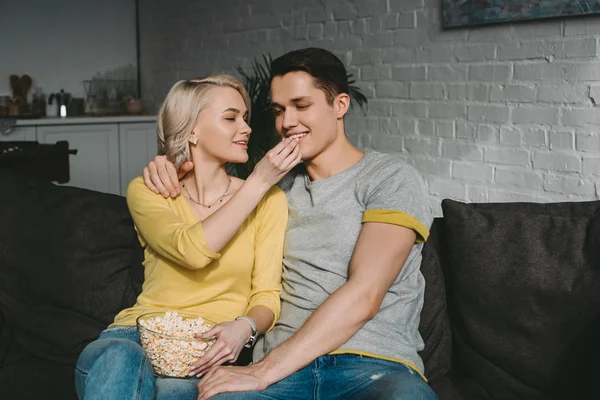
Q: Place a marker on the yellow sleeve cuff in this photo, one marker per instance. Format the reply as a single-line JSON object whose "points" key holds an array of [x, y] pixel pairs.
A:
{"points": [[267, 304], [398, 218]]}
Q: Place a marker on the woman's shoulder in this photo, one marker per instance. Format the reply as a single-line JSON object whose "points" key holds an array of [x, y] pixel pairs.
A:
{"points": [[275, 196], [138, 191], [137, 186], [274, 204], [138, 181]]}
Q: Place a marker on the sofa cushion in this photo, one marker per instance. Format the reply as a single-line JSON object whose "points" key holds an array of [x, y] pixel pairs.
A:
{"points": [[66, 262], [31, 378], [524, 298]]}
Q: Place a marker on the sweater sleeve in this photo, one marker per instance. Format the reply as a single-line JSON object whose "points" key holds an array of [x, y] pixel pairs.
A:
{"points": [[161, 229], [272, 217]]}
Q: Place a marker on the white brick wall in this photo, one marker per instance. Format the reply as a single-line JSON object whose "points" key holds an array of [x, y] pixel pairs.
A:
{"points": [[499, 113]]}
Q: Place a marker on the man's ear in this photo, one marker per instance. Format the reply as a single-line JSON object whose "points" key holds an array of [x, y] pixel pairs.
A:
{"points": [[341, 103]]}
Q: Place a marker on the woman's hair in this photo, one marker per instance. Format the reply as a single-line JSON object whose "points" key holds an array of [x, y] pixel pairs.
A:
{"points": [[180, 110]]}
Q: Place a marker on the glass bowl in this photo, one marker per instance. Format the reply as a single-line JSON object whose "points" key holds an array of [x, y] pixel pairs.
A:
{"points": [[168, 340]]}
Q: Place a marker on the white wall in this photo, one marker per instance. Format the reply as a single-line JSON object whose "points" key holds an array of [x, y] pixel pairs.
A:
{"points": [[497, 113], [61, 43]]}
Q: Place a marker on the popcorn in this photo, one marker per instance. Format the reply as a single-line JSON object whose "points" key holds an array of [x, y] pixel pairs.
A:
{"points": [[170, 343]]}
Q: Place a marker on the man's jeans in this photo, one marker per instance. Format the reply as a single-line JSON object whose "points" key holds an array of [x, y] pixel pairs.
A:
{"points": [[345, 377], [116, 367]]}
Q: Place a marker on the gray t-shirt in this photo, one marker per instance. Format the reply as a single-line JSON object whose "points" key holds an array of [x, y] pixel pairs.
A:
{"points": [[325, 219]]}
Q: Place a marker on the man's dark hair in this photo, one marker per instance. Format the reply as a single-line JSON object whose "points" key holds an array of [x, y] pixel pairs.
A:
{"points": [[327, 70]]}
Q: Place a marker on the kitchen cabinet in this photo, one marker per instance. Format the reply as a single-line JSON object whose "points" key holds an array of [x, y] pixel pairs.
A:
{"points": [[111, 151], [96, 164], [137, 145], [19, 133]]}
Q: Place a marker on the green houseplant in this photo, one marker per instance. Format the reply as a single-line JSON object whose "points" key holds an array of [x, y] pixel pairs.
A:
{"points": [[262, 121]]}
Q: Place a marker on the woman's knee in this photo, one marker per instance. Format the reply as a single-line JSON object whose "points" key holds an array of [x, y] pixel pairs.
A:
{"points": [[114, 368], [113, 351]]}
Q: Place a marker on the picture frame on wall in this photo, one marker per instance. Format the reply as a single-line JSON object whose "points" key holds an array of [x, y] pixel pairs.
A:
{"points": [[461, 13]]}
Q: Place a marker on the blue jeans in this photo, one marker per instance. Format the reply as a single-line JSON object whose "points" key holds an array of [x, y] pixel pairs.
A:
{"points": [[345, 377], [115, 366]]}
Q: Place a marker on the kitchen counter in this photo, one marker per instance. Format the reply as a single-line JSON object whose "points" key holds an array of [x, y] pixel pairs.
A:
{"points": [[121, 119], [111, 151]]}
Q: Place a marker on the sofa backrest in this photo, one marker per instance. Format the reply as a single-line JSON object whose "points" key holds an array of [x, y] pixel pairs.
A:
{"points": [[523, 295], [69, 261]]}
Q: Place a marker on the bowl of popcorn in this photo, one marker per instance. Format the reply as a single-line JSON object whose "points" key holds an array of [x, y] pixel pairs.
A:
{"points": [[169, 339]]}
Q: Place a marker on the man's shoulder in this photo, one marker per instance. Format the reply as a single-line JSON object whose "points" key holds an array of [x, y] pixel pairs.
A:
{"points": [[385, 166]]}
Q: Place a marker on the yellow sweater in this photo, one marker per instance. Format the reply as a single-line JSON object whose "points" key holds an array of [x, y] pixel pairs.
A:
{"points": [[182, 273]]}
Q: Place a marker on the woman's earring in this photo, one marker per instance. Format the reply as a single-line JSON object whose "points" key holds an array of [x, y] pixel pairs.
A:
{"points": [[195, 142]]}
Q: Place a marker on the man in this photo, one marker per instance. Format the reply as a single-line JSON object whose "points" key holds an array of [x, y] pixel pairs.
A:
{"points": [[352, 287]]}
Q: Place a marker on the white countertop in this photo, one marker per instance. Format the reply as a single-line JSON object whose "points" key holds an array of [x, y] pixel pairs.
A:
{"points": [[125, 119]]}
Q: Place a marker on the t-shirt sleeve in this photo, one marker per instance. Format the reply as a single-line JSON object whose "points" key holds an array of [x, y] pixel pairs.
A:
{"points": [[398, 195], [272, 218], [160, 228]]}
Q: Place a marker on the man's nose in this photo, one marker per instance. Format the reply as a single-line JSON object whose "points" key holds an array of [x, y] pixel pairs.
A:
{"points": [[290, 119]]}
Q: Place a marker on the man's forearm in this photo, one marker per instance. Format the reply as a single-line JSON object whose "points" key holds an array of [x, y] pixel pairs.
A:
{"points": [[338, 318]]}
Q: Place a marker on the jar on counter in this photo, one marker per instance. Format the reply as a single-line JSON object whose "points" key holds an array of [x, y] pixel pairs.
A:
{"points": [[38, 103], [5, 101], [13, 110]]}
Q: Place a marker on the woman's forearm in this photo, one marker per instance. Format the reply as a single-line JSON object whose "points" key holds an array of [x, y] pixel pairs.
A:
{"points": [[222, 225], [263, 318]]}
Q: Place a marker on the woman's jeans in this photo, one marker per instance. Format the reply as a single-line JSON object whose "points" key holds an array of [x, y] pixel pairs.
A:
{"points": [[116, 367]]}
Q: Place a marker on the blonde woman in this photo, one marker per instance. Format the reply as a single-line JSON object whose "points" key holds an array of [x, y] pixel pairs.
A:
{"points": [[215, 251]]}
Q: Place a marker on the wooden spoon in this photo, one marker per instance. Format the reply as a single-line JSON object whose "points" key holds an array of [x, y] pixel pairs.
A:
{"points": [[15, 85], [26, 82]]}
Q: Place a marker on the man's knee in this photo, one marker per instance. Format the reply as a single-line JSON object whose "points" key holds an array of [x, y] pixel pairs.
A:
{"points": [[405, 386], [225, 396], [175, 388], [238, 396]]}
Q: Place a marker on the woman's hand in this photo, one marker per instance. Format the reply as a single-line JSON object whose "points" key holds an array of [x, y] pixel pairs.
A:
{"points": [[277, 162], [231, 338]]}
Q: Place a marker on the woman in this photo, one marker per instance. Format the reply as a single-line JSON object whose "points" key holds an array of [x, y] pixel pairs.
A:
{"points": [[216, 251]]}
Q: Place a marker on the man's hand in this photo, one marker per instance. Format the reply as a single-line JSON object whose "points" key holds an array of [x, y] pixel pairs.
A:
{"points": [[230, 379], [161, 176]]}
